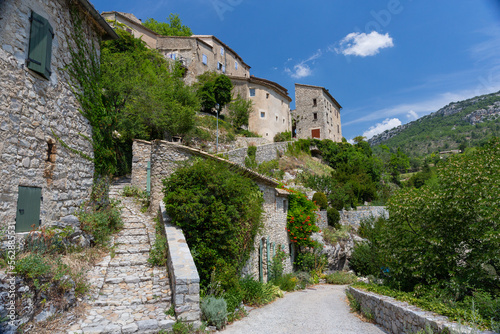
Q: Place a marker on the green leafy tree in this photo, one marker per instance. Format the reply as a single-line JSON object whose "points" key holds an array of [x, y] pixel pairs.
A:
{"points": [[239, 111], [173, 27], [145, 90], [448, 234], [214, 90], [219, 211]]}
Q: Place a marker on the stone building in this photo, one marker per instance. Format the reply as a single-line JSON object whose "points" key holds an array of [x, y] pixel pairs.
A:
{"points": [[317, 113], [41, 179], [202, 53], [164, 158], [133, 26], [271, 105]]}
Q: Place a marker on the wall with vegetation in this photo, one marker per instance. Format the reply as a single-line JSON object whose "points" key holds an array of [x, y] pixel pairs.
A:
{"points": [[264, 153], [34, 111], [400, 317], [141, 152], [354, 217]]}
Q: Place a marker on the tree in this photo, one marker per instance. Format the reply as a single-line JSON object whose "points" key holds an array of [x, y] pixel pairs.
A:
{"points": [[239, 111], [152, 100], [214, 90], [174, 26], [448, 234]]}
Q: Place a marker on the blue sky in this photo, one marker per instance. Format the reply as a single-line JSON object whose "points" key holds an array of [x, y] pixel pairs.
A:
{"points": [[387, 62]]}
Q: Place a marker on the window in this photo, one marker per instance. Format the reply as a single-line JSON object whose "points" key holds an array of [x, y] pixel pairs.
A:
{"points": [[338, 128], [40, 45], [219, 66], [315, 116], [284, 206], [221, 51], [205, 60], [276, 118], [252, 91], [262, 114], [223, 69], [315, 102], [283, 121], [267, 95], [235, 65], [172, 56]]}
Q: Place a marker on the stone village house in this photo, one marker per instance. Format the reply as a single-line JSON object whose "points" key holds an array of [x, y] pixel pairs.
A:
{"points": [[41, 180], [163, 158]]}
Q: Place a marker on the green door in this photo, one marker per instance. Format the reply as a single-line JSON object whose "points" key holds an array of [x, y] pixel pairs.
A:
{"points": [[28, 208]]}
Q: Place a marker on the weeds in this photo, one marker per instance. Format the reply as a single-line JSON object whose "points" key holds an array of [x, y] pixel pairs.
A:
{"points": [[341, 278]]}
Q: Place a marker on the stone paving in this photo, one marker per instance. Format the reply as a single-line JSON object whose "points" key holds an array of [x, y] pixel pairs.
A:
{"points": [[129, 295]]}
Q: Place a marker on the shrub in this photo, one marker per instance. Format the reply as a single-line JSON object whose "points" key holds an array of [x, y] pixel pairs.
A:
{"points": [[320, 199], [341, 278], [287, 282], [215, 311], [257, 293], [353, 303], [158, 252], [101, 222], [276, 268], [333, 217], [283, 136], [333, 236], [250, 161], [219, 211], [311, 261]]}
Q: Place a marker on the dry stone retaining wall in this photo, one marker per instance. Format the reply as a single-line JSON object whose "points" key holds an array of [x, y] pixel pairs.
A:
{"points": [[266, 152], [354, 217], [141, 156], [400, 317]]}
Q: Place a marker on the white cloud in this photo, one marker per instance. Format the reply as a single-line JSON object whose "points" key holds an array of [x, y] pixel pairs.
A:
{"points": [[299, 71], [412, 115], [381, 127], [362, 44], [302, 69]]}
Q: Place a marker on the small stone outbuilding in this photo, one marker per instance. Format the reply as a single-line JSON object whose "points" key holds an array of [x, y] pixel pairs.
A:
{"points": [[163, 158], [41, 179]]}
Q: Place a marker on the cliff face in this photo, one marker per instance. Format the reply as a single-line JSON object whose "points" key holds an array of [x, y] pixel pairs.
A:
{"points": [[472, 111]]}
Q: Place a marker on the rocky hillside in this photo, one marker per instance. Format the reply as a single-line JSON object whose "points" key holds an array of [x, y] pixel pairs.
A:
{"points": [[471, 122]]}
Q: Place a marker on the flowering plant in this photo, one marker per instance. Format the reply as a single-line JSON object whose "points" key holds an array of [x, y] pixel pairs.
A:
{"points": [[301, 220]]}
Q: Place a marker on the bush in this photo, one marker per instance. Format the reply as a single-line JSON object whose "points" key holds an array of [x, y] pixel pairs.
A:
{"points": [[311, 261], [214, 311], [251, 156], [320, 199], [256, 293], [218, 209], [301, 219], [341, 278], [101, 222], [332, 236], [333, 216], [283, 136], [158, 252]]}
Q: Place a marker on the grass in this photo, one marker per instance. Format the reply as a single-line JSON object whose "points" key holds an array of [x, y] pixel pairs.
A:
{"points": [[341, 278]]}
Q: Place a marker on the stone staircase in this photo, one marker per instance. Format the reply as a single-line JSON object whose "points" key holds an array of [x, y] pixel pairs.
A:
{"points": [[130, 296]]}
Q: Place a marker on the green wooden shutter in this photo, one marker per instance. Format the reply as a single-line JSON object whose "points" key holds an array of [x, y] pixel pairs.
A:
{"points": [[28, 208], [40, 45]]}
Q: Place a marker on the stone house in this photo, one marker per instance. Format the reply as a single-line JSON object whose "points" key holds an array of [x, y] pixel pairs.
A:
{"points": [[271, 105], [164, 158], [42, 180], [133, 26], [317, 113]]}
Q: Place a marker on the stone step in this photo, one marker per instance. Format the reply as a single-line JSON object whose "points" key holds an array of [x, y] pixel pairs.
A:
{"points": [[132, 232], [132, 240], [148, 326], [133, 250]]}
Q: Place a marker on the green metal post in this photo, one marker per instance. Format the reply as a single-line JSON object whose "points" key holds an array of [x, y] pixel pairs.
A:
{"points": [[261, 272], [148, 184]]}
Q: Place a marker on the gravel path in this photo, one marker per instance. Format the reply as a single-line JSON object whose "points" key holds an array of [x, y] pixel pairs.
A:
{"points": [[320, 309]]}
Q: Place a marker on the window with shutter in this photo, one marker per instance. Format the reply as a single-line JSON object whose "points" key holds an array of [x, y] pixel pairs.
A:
{"points": [[40, 45]]}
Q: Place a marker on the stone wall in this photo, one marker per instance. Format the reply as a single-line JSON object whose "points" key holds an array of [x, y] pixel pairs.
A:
{"points": [[34, 109], [264, 153], [141, 155], [400, 317], [184, 278], [354, 217], [322, 219]]}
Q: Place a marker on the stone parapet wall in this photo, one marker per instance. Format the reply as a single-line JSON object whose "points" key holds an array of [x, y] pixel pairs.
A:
{"points": [[266, 152], [400, 317], [354, 217], [184, 278], [141, 155]]}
